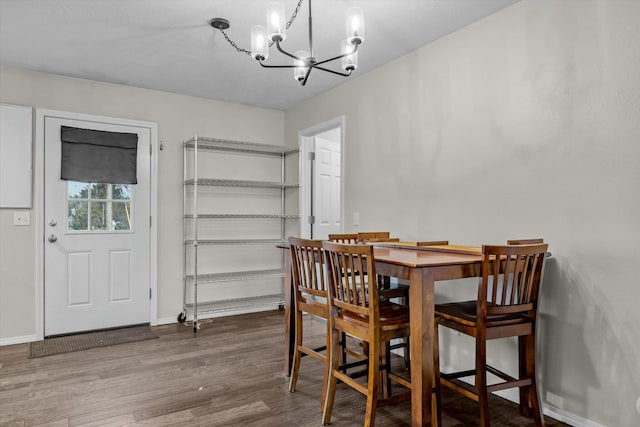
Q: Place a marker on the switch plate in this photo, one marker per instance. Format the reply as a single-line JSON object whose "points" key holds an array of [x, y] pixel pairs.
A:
{"points": [[22, 218], [356, 218]]}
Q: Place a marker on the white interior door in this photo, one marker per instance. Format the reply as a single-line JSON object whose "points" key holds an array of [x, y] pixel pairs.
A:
{"points": [[97, 240], [326, 187]]}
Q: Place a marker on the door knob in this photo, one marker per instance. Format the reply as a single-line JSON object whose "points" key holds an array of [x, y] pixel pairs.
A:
{"points": [[52, 238], [53, 223]]}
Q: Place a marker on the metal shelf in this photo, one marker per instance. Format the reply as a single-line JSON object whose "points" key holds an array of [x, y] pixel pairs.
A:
{"points": [[193, 182], [239, 183], [237, 275], [235, 242], [239, 146], [263, 301], [242, 216]]}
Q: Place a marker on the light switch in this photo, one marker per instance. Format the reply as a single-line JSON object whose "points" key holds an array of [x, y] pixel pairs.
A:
{"points": [[356, 218], [22, 218]]}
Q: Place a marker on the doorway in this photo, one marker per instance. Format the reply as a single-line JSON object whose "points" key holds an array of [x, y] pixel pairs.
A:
{"points": [[98, 244], [321, 170]]}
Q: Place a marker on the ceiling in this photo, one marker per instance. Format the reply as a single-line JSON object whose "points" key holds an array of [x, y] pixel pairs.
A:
{"points": [[168, 45]]}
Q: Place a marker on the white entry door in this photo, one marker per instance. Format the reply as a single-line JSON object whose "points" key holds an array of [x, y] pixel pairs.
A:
{"points": [[97, 240], [326, 188]]}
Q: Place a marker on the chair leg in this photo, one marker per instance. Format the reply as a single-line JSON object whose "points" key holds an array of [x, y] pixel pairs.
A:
{"points": [[436, 403], [327, 367], [407, 353], [373, 384], [525, 408], [481, 380], [538, 417], [385, 363], [296, 356], [344, 352], [332, 381], [536, 410]]}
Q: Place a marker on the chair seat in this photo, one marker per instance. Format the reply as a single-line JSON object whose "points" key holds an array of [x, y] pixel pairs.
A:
{"points": [[392, 316], [465, 313]]}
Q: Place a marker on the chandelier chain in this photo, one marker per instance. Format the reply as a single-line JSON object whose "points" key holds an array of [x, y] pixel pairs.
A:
{"points": [[232, 43], [295, 14], [245, 51]]}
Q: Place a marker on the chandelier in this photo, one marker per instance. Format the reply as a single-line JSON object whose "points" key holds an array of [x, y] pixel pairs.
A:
{"points": [[302, 62]]}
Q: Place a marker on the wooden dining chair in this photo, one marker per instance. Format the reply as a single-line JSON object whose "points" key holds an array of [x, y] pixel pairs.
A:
{"points": [[506, 307], [359, 312], [387, 290], [310, 296], [361, 351], [523, 409]]}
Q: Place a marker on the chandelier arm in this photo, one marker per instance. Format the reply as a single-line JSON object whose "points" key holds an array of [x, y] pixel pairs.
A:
{"points": [[332, 71], [276, 66], [337, 57], [306, 76], [281, 50], [313, 66]]}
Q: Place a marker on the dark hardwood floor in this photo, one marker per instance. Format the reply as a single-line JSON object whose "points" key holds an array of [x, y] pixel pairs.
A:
{"points": [[228, 374]]}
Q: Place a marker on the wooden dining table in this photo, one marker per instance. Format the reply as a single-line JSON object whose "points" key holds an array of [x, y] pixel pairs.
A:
{"points": [[422, 266]]}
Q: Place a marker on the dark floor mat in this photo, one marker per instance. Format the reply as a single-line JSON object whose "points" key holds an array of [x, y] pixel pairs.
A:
{"points": [[69, 343]]}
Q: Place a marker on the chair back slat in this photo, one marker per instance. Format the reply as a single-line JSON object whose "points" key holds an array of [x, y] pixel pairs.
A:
{"points": [[511, 278], [307, 262], [353, 285], [347, 238]]}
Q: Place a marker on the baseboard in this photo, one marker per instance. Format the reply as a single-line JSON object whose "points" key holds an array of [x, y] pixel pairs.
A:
{"points": [[167, 320], [18, 340], [549, 410], [568, 417]]}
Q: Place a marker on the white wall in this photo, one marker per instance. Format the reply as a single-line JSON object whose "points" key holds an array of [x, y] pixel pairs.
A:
{"points": [[178, 117], [524, 124]]}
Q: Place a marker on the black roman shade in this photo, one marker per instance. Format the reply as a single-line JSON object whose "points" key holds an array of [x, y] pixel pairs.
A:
{"points": [[98, 156]]}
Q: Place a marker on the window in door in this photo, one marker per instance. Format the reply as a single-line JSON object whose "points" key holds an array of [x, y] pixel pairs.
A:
{"points": [[99, 207]]}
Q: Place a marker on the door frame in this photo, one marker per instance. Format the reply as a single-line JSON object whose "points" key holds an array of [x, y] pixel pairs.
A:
{"points": [[39, 185], [305, 143]]}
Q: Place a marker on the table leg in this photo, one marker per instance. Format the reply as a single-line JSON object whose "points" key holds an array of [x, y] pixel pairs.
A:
{"points": [[289, 314], [421, 306]]}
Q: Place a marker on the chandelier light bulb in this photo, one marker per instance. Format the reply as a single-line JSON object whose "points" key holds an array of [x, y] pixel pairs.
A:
{"points": [[259, 42], [300, 70], [276, 22], [349, 62], [355, 25]]}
